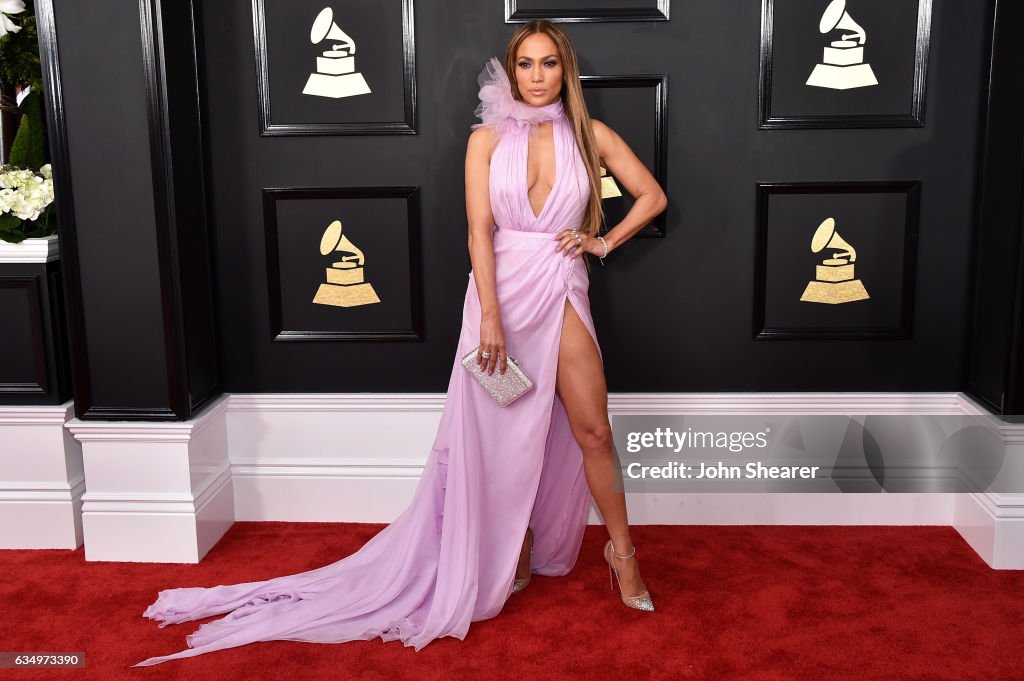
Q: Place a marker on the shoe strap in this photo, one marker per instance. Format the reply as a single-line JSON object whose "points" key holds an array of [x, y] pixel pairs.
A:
{"points": [[633, 553]]}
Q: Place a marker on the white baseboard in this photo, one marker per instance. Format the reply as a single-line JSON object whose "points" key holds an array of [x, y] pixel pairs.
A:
{"points": [[156, 491], [358, 458], [41, 479], [168, 491]]}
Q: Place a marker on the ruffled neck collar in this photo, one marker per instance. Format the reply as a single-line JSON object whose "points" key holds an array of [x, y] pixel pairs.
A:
{"points": [[498, 108]]}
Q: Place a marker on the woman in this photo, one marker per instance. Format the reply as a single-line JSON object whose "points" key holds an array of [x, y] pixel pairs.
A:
{"points": [[504, 492], [546, 70]]}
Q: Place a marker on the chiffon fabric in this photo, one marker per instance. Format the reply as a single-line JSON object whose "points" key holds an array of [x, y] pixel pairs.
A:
{"points": [[450, 558]]}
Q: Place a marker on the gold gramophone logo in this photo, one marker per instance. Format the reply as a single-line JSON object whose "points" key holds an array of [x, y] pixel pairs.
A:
{"points": [[609, 189], [346, 285], [834, 280], [843, 66], [336, 74]]}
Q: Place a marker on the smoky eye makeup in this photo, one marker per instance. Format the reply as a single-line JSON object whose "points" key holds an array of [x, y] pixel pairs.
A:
{"points": [[548, 62]]}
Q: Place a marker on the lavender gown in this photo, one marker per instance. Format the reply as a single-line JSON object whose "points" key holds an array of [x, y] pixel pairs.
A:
{"points": [[450, 558]]}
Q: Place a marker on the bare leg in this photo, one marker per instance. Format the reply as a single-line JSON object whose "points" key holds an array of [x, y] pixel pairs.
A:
{"points": [[581, 385]]}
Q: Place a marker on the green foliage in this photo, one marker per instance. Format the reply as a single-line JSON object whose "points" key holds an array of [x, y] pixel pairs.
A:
{"points": [[29, 147], [10, 229], [20, 66], [19, 52]]}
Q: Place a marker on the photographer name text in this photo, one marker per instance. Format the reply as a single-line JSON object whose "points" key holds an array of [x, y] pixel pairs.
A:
{"points": [[719, 470]]}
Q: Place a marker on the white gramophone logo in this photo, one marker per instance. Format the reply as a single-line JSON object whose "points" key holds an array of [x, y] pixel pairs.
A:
{"points": [[843, 66], [833, 282], [346, 284], [336, 74]]}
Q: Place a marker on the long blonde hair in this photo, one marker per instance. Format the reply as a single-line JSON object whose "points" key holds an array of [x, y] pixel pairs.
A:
{"points": [[575, 110]]}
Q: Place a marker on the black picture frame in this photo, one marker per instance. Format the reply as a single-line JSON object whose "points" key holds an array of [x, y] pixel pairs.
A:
{"points": [[27, 343], [279, 298], [567, 11], [269, 126], [765, 324], [909, 88], [653, 153]]}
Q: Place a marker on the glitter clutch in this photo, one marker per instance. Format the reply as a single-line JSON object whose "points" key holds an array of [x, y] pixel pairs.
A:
{"points": [[504, 388]]}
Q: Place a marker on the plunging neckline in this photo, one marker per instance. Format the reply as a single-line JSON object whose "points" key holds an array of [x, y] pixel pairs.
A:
{"points": [[526, 174]]}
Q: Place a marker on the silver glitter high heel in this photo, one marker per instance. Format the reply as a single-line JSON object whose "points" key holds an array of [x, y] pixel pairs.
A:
{"points": [[521, 584], [641, 602]]}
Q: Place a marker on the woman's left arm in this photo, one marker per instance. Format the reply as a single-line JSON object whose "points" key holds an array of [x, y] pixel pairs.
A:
{"points": [[632, 174]]}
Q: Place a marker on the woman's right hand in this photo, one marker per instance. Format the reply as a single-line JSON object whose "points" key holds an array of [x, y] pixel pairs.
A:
{"points": [[492, 340]]}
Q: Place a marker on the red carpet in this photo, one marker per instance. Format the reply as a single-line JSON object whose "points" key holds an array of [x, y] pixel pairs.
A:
{"points": [[765, 602]]}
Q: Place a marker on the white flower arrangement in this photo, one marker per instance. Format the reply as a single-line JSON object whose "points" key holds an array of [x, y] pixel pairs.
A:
{"points": [[26, 198], [10, 7]]}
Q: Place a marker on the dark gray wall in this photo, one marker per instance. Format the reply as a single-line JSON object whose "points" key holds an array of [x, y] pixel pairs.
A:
{"points": [[159, 179], [995, 363], [125, 135], [672, 314], [108, 143]]}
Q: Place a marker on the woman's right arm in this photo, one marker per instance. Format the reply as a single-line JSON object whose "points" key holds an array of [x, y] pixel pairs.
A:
{"points": [[481, 246]]}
